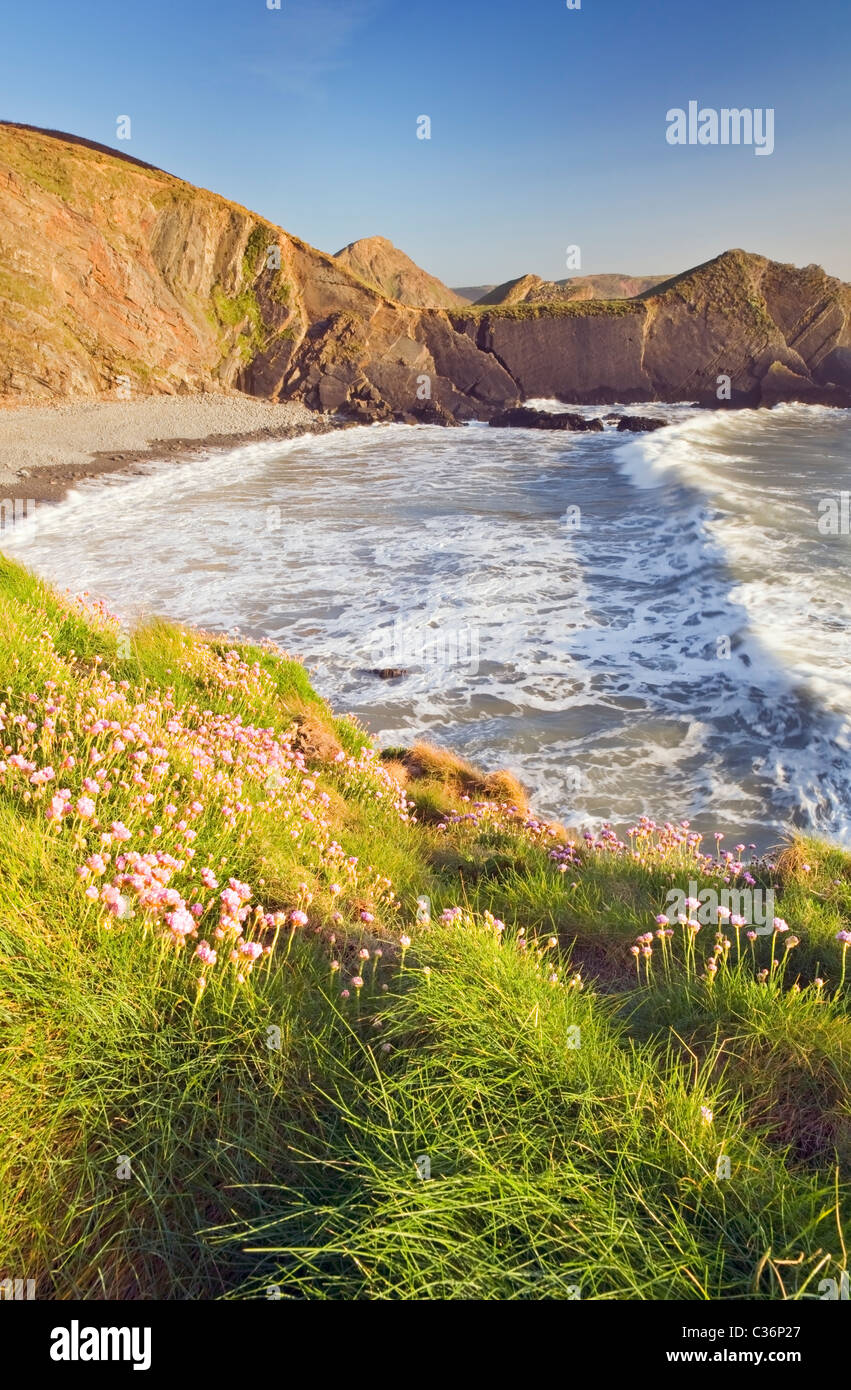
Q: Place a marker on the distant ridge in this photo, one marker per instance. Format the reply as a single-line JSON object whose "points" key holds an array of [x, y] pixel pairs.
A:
{"points": [[531, 289], [472, 293]]}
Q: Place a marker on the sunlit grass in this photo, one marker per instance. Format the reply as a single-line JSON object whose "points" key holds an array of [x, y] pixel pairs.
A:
{"points": [[178, 1126]]}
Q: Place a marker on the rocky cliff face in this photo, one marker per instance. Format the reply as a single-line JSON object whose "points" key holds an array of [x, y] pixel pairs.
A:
{"points": [[382, 265], [740, 328], [117, 277], [112, 272]]}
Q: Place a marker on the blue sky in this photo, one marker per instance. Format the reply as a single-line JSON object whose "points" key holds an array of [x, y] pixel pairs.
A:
{"points": [[548, 124]]}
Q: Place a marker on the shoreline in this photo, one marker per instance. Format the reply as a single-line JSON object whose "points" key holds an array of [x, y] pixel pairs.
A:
{"points": [[46, 449], [71, 427]]}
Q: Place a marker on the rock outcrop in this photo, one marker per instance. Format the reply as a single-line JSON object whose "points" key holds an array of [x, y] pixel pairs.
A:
{"points": [[116, 277], [523, 417], [380, 264], [639, 424]]}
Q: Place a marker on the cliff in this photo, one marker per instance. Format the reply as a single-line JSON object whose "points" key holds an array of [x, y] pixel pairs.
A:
{"points": [[776, 331], [110, 268], [119, 277]]}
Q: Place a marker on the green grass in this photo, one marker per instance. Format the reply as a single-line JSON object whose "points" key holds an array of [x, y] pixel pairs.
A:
{"points": [[503, 1109], [241, 310], [552, 309]]}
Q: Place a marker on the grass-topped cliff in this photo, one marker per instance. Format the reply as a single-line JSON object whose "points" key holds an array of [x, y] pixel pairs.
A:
{"points": [[235, 1062]]}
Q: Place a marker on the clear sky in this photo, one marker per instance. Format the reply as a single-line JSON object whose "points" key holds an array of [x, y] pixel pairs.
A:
{"points": [[548, 125]]}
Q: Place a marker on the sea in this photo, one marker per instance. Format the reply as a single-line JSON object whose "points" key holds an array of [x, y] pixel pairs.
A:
{"points": [[650, 624]]}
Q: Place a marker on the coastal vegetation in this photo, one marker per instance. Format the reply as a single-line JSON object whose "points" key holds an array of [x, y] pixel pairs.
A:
{"points": [[552, 309], [284, 1016]]}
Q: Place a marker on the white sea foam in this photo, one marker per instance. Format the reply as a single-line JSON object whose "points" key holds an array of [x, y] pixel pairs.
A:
{"points": [[597, 675]]}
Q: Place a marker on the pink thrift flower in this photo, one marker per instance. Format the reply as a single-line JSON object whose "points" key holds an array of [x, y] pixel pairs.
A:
{"points": [[180, 921]]}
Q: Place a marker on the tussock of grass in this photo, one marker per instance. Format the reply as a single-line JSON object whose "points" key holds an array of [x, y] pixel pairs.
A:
{"points": [[549, 309], [438, 771], [422, 971]]}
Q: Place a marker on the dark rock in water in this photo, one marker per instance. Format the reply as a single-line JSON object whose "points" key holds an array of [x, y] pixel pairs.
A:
{"points": [[612, 415], [428, 413], [637, 424], [523, 417], [388, 673]]}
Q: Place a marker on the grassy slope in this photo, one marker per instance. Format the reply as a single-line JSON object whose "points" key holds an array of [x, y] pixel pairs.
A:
{"points": [[260, 1134]]}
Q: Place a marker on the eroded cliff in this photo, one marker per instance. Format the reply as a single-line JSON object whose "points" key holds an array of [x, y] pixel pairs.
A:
{"points": [[118, 277]]}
